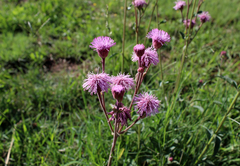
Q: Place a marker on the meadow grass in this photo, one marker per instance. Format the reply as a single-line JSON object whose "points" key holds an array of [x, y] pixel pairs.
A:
{"points": [[50, 120]]}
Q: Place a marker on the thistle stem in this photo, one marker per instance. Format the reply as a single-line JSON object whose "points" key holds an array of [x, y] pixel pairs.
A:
{"points": [[150, 22], [114, 140], [104, 110], [215, 133], [185, 51], [123, 38], [122, 132], [136, 22], [103, 65]]}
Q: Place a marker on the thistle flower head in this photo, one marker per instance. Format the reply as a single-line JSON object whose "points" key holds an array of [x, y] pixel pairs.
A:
{"points": [[118, 92], [125, 80], [150, 56], [139, 3], [159, 37], [123, 115], [102, 45], [139, 49], [187, 23], [179, 5], [204, 17], [97, 82], [146, 104]]}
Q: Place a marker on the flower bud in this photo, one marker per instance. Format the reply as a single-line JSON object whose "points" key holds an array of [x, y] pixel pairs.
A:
{"points": [[118, 92], [139, 49]]}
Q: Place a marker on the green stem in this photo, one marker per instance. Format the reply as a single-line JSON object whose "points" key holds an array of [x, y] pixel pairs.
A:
{"points": [[215, 133], [161, 69], [185, 52], [136, 22], [150, 22], [123, 38]]}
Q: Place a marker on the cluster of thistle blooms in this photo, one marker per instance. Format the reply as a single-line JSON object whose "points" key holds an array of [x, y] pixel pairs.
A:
{"points": [[145, 104], [204, 16]]}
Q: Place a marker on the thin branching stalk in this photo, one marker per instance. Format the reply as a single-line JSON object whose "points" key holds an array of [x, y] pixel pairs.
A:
{"points": [[199, 5], [182, 15], [150, 20], [138, 84], [123, 38], [195, 33], [104, 110], [103, 65], [122, 132], [136, 22], [114, 139], [185, 51], [219, 127]]}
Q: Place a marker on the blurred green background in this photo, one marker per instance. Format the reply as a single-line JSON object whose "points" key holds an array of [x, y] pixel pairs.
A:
{"points": [[45, 56]]}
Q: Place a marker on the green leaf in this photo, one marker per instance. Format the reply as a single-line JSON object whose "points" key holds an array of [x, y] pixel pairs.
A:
{"points": [[152, 128], [163, 21], [217, 145], [199, 108], [113, 55], [229, 80], [183, 35], [208, 132]]}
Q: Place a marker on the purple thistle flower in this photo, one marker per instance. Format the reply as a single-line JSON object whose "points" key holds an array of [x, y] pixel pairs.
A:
{"points": [[118, 92], [187, 23], [139, 49], [97, 83], [204, 17], [124, 80], [146, 104], [139, 3], [102, 45], [123, 115], [149, 57], [179, 5], [159, 37]]}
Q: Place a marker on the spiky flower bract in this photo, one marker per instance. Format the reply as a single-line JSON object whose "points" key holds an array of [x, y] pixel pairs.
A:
{"points": [[159, 37], [150, 56], [179, 5], [146, 104], [204, 17], [97, 82], [187, 23], [118, 92], [139, 3], [125, 80], [102, 45], [124, 114]]}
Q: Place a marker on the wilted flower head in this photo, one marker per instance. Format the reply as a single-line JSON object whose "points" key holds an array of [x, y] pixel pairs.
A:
{"points": [[159, 37], [204, 17], [170, 159], [150, 56], [146, 104], [223, 53], [179, 5], [139, 3], [97, 82], [125, 80], [139, 49], [102, 45], [123, 115], [118, 92], [187, 23]]}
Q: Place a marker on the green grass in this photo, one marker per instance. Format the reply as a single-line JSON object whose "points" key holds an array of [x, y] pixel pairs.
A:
{"points": [[54, 122]]}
